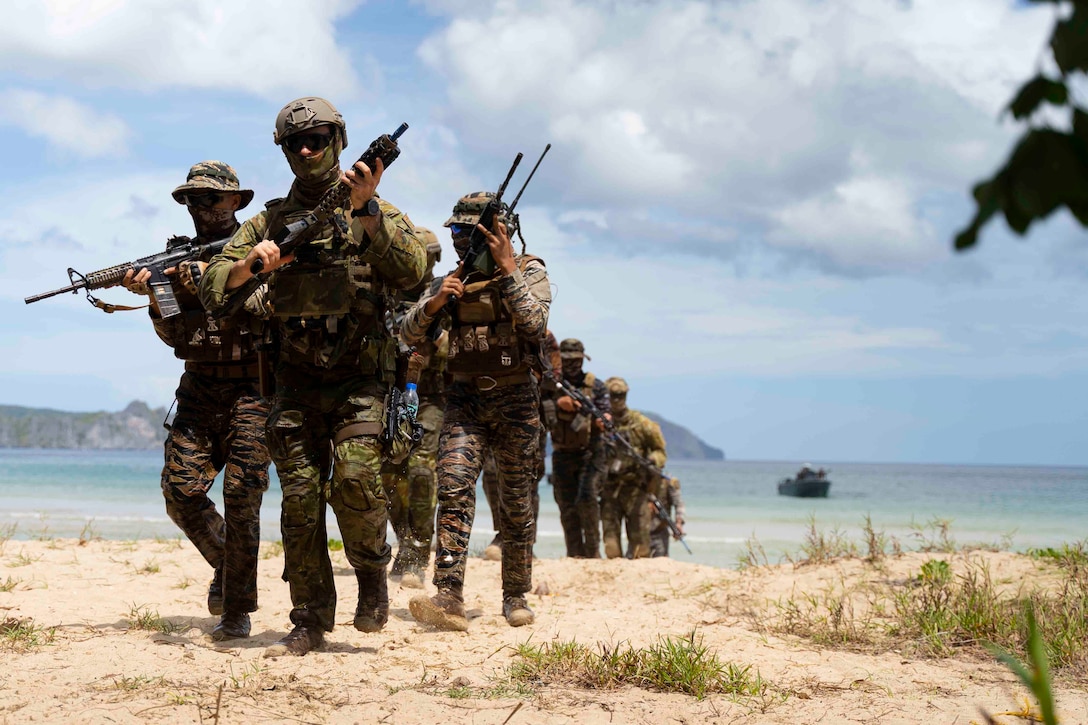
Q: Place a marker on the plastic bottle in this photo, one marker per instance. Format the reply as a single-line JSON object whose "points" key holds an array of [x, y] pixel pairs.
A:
{"points": [[411, 399]]}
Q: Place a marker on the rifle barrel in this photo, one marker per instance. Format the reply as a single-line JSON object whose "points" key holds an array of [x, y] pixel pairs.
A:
{"points": [[45, 295]]}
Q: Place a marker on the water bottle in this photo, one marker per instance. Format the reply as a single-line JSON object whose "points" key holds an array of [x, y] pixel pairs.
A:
{"points": [[411, 399]]}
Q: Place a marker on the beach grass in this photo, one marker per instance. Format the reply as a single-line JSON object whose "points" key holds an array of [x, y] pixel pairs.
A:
{"points": [[950, 604], [674, 664], [144, 618], [23, 635]]}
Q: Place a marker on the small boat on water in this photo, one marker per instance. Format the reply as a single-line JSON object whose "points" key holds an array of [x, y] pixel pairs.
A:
{"points": [[807, 483]]}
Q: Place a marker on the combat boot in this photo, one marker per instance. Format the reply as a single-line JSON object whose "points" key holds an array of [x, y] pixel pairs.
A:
{"points": [[297, 642], [232, 625], [215, 593], [445, 610], [493, 552], [517, 611], [373, 610], [412, 578]]}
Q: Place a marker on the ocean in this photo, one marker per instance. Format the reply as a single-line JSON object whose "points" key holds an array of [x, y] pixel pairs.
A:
{"points": [[730, 504]]}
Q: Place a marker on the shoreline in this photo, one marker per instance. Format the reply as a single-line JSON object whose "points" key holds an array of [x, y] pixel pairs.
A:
{"points": [[88, 600]]}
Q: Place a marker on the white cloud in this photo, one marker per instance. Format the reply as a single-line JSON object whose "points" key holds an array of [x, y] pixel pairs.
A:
{"points": [[753, 111], [266, 47], [63, 122]]}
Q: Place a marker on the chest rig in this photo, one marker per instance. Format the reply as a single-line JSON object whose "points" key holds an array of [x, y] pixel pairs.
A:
{"points": [[198, 337], [483, 339], [572, 431], [329, 302]]}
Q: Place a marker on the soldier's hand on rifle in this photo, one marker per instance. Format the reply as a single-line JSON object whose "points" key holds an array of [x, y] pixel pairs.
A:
{"points": [[679, 529], [568, 404], [502, 251], [190, 277], [601, 423], [451, 285], [268, 252], [136, 282], [363, 182]]}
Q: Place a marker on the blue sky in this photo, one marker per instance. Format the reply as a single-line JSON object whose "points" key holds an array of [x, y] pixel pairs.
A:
{"points": [[747, 211]]}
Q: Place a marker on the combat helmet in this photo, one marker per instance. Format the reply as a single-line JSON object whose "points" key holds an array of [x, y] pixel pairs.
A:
{"points": [[430, 241], [212, 176], [304, 113]]}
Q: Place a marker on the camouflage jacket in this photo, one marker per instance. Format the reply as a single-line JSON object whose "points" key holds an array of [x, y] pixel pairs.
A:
{"points": [[576, 430], [645, 436], [668, 493], [527, 295], [395, 255]]}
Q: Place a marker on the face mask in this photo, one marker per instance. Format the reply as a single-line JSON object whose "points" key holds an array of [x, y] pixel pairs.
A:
{"points": [[619, 406], [316, 168], [572, 367], [212, 223]]}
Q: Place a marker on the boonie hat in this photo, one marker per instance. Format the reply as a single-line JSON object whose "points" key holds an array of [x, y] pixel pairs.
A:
{"points": [[616, 386], [209, 176], [570, 349]]}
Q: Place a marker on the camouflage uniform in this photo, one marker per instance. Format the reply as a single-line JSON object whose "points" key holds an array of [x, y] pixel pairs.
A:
{"points": [[491, 471], [219, 422], [411, 485], [493, 402], [668, 493], [335, 360], [623, 496], [579, 458]]}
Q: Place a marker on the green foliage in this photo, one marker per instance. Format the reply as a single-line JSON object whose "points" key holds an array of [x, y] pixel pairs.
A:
{"points": [[1048, 168], [683, 665], [22, 635], [336, 545], [1036, 673], [143, 617]]}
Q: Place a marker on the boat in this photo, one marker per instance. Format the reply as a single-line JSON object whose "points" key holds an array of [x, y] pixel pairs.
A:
{"points": [[807, 483]]}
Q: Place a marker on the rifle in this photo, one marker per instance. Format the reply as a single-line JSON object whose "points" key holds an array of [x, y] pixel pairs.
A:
{"points": [[297, 233], [615, 437], [180, 250]]}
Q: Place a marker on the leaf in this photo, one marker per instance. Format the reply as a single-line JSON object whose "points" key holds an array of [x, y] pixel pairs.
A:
{"points": [[1034, 92]]}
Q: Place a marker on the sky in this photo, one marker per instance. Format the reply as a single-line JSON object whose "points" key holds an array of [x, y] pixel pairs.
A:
{"points": [[747, 211]]}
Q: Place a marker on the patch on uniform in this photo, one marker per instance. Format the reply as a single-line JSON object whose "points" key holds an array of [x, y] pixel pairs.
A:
{"points": [[506, 359]]}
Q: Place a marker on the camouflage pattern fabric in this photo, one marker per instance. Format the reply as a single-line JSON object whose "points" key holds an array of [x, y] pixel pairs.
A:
{"points": [[576, 477], [623, 495], [504, 421], [325, 381], [412, 491], [219, 423], [310, 409], [209, 177], [668, 493], [491, 486]]}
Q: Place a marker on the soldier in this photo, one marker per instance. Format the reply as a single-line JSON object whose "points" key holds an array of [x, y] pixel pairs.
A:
{"points": [[411, 485], [623, 497], [668, 493], [493, 551], [496, 327], [221, 415], [335, 360], [579, 457]]}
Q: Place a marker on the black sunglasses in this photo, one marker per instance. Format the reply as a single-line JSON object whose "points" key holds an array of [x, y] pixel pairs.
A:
{"points": [[202, 200], [312, 141], [459, 230]]}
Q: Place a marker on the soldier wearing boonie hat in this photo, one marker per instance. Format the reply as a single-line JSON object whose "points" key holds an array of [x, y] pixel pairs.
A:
{"points": [[220, 413], [579, 455]]}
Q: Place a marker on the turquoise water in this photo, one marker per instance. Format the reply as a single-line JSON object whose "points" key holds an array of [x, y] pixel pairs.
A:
{"points": [[115, 495]]}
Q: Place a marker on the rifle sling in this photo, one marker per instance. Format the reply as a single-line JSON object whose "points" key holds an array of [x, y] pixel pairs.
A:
{"points": [[367, 428]]}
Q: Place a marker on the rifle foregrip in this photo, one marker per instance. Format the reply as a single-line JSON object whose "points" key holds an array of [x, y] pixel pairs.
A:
{"points": [[257, 267]]}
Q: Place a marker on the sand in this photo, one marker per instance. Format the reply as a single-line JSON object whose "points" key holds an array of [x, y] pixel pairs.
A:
{"points": [[98, 667]]}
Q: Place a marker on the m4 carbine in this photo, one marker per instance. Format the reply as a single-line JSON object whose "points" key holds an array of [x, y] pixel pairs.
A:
{"points": [[615, 437], [301, 231], [181, 249]]}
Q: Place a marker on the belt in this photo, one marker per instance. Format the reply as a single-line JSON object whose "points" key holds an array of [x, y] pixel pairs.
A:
{"points": [[484, 383], [232, 372]]}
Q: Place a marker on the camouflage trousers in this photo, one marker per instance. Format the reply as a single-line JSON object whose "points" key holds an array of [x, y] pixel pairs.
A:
{"points": [[491, 486], [576, 477], [219, 423], [624, 502], [323, 436], [506, 422], [659, 542], [412, 490]]}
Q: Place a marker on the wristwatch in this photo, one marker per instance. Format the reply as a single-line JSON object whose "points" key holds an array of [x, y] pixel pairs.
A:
{"points": [[370, 208]]}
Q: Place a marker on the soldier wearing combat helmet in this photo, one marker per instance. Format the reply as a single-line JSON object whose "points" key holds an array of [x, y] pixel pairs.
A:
{"points": [[335, 361], [578, 454], [220, 415], [495, 330], [623, 497]]}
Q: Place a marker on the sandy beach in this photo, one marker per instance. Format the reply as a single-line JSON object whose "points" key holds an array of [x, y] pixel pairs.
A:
{"points": [[95, 650]]}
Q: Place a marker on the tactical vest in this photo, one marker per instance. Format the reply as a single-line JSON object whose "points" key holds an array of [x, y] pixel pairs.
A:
{"points": [[199, 338], [483, 338], [573, 431], [432, 380], [329, 302]]}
